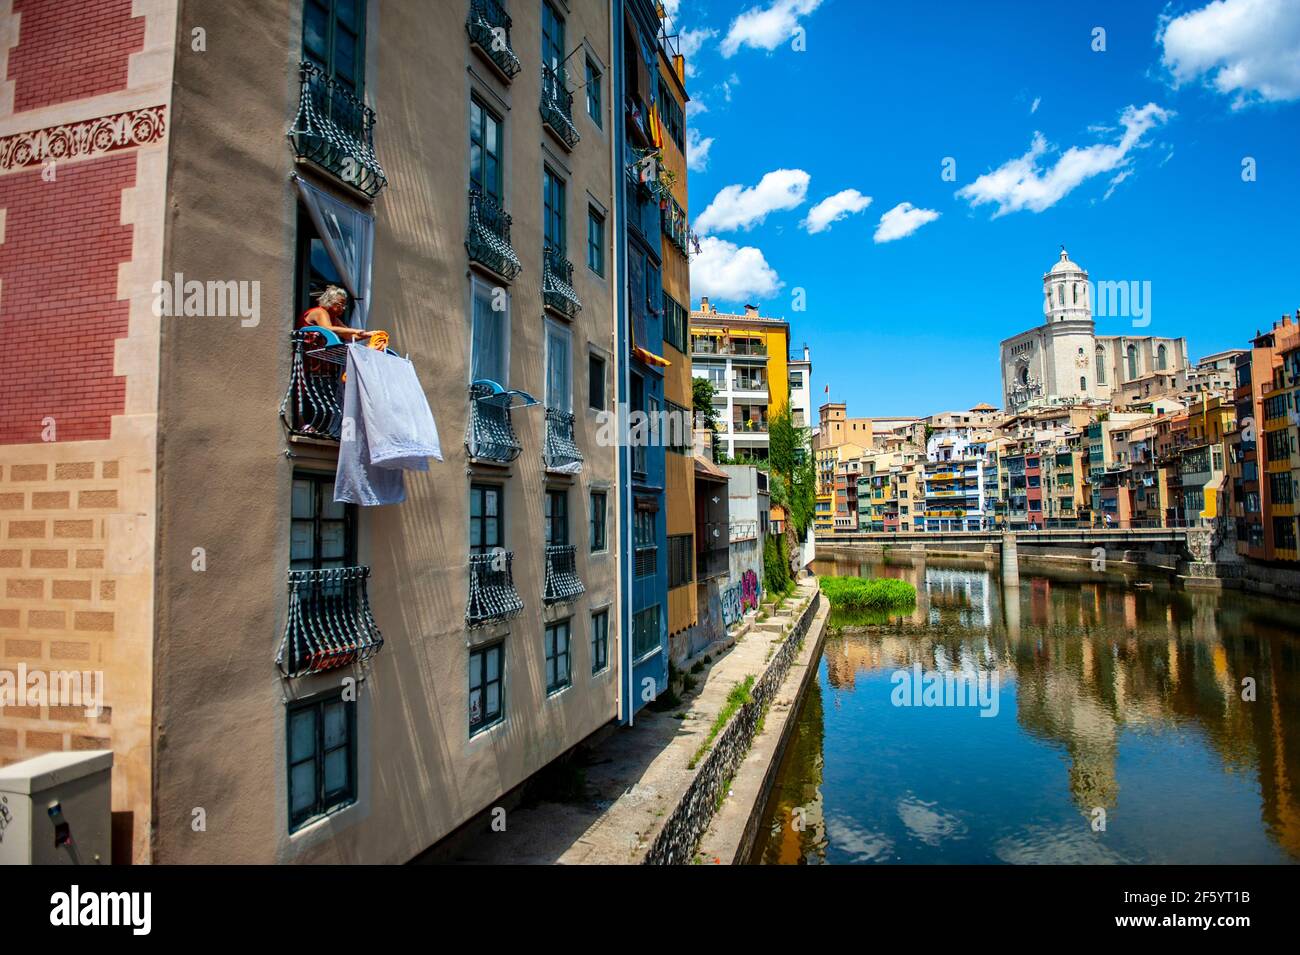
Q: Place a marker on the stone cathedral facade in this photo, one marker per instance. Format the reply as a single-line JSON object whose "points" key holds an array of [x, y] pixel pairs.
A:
{"points": [[1064, 361]]}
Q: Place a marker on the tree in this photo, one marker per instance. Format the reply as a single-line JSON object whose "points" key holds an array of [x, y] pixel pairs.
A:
{"points": [[702, 400], [793, 473]]}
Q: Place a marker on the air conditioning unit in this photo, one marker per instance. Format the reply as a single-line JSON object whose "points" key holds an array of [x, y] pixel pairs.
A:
{"points": [[56, 809]]}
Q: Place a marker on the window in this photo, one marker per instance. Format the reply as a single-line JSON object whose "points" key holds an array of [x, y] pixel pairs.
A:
{"points": [[647, 551], [332, 231], [596, 242], [596, 381], [486, 518], [553, 210], [676, 431], [557, 517], [674, 323], [645, 632], [490, 342], [322, 532], [332, 39], [653, 290], [322, 757], [671, 113], [1132, 362], [593, 93], [1101, 367], [484, 150], [1162, 358], [559, 380], [681, 560], [599, 528], [1083, 384], [796, 380], [558, 673], [552, 38], [599, 641], [486, 701]]}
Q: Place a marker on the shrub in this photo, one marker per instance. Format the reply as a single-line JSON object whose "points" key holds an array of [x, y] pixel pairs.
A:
{"points": [[867, 593]]}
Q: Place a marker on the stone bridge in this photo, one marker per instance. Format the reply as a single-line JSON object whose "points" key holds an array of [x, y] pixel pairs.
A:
{"points": [[1197, 553]]}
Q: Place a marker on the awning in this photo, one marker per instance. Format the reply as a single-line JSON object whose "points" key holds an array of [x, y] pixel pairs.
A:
{"points": [[649, 357], [709, 471]]}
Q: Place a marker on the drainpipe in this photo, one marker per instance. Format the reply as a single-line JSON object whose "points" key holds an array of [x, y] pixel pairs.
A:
{"points": [[621, 361]]}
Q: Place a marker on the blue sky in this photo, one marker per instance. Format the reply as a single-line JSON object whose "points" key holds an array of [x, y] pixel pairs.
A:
{"points": [[1138, 170]]}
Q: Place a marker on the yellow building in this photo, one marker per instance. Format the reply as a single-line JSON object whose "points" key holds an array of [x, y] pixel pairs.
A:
{"points": [[746, 357], [679, 477]]}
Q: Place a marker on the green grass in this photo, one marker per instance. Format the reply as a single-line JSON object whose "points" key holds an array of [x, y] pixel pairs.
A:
{"points": [[737, 697], [867, 593]]}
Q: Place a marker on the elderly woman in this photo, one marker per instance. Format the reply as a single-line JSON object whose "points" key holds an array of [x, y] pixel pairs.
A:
{"points": [[328, 313]]}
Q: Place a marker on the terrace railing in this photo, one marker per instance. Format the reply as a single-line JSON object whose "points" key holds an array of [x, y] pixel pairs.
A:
{"points": [[561, 450], [313, 405], [562, 581], [335, 130], [488, 26], [557, 282], [557, 106], [329, 624], [492, 594], [488, 239]]}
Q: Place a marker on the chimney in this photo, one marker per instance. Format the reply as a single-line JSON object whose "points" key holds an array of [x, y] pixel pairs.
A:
{"points": [[751, 311], [704, 304], [805, 350]]}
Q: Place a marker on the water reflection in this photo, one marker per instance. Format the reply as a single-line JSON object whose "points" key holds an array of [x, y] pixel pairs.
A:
{"points": [[1117, 704]]}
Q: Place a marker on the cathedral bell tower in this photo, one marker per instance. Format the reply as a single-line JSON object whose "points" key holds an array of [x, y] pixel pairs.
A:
{"points": [[1065, 290]]}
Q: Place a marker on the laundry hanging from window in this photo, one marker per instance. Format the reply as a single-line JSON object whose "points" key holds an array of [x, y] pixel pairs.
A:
{"points": [[387, 429]]}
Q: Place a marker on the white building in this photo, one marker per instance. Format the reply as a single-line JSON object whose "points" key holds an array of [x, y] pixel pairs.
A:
{"points": [[801, 390], [1064, 361]]}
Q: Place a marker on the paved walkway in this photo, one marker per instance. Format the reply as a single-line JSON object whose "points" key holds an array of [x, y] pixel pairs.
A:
{"points": [[636, 775]]}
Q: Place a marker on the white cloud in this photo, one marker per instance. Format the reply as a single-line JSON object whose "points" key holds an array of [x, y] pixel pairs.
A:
{"points": [[1021, 184], [697, 150], [737, 207], [691, 42], [901, 221], [694, 107], [732, 273], [766, 28], [1247, 48], [833, 209], [670, 8], [1034, 107]]}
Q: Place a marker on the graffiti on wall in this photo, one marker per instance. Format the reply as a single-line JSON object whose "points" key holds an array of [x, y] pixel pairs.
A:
{"points": [[749, 591], [740, 597]]}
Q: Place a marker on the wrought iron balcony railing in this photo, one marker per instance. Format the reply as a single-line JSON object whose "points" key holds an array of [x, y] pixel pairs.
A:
{"points": [[492, 594], [557, 106], [561, 450], [562, 581], [488, 26], [557, 282], [329, 623], [313, 405], [491, 434], [336, 131], [488, 240]]}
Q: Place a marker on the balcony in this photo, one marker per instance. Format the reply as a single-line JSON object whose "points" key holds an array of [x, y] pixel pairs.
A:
{"points": [[749, 426], [557, 107], [336, 131], [562, 581], [557, 283], [492, 594], [330, 624], [756, 385], [313, 405], [491, 434], [488, 239], [561, 451], [488, 26]]}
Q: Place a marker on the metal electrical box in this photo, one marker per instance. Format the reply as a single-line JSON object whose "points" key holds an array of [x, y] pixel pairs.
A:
{"points": [[56, 809]]}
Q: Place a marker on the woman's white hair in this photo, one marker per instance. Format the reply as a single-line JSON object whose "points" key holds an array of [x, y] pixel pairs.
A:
{"points": [[332, 295]]}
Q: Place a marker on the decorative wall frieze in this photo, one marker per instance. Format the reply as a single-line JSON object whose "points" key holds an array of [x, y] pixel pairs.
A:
{"points": [[83, 140]]}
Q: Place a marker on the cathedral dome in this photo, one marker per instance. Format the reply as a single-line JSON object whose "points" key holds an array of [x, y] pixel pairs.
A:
{"points": [[1065, 264]]}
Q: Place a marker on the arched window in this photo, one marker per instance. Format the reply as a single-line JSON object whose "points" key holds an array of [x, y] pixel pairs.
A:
{"points": [[1075, 300], [1024, 375], [1161, 358], [1060, 294], [1083, 384], [1132, 362], [1101, 366]]}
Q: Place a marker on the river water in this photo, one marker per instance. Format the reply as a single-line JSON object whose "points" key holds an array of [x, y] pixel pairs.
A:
{"points": [[1100, 724]]}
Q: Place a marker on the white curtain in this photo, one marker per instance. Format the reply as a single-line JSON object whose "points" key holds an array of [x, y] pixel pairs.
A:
{"points": [[559, 386], [491, 330], [349, 238]]}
